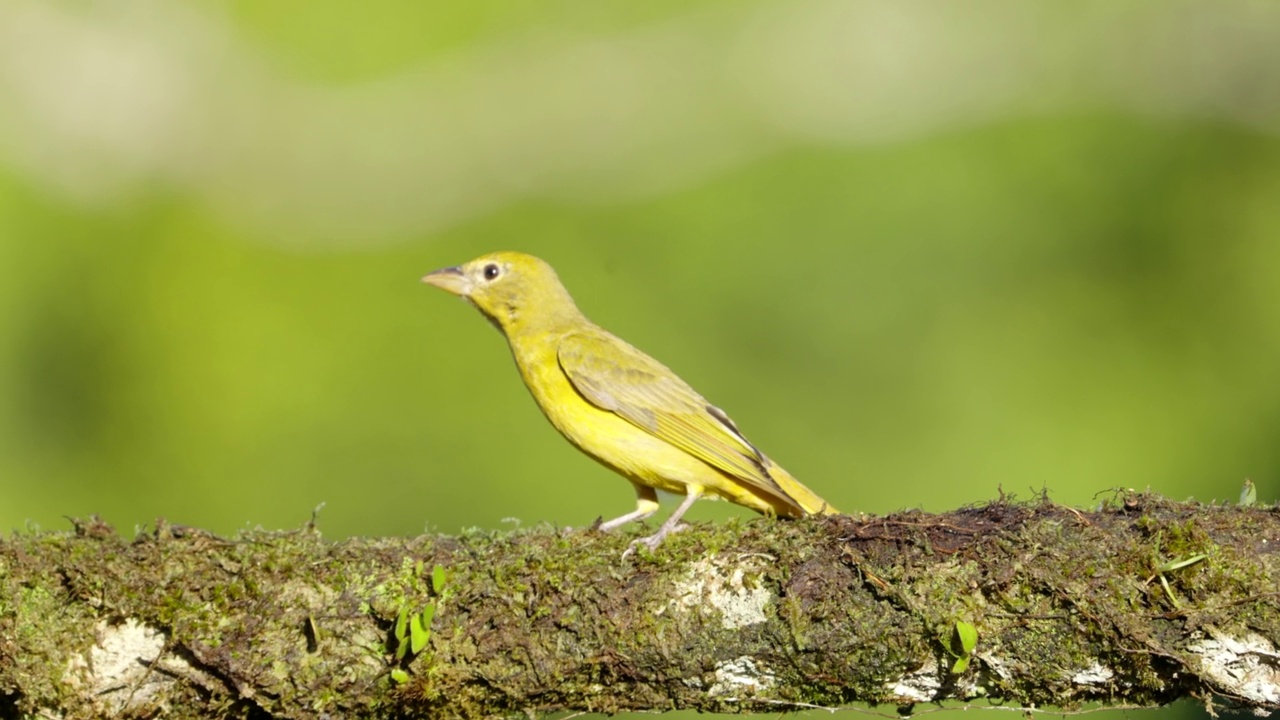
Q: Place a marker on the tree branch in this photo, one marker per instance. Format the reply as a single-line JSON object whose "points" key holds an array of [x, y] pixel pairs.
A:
{"points": [[1141, 603]]}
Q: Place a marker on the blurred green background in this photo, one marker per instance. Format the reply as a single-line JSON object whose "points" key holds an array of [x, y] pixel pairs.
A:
{"points": [[920, 252]]}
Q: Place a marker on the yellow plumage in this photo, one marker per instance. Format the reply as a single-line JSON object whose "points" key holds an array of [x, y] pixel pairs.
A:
{"points": [[618, 405]]}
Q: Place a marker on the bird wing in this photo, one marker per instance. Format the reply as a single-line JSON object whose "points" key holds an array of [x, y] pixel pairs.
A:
{"points": [[614, 376]]}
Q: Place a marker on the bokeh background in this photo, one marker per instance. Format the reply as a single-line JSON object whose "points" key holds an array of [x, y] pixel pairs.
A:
{"points": [[921, 251]]}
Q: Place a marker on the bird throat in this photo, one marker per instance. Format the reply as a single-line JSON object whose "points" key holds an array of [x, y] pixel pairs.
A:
{"points": [[502, 324]]}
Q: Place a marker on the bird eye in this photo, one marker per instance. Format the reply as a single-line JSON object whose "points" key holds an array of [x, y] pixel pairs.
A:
{"points": [[491, 271]]}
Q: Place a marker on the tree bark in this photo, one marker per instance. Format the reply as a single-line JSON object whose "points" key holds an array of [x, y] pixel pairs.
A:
{"points": [[1140, 603]]}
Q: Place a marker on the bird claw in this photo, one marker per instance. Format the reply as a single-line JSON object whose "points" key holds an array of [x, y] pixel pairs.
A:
{"points": [[650, 542], [653, 541]]}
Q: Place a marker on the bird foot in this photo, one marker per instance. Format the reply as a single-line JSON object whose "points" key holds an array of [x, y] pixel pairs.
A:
{"points": [[653, 541]]}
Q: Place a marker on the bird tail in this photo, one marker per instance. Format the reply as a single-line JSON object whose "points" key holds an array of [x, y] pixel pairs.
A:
{"points": [[803, 496]]}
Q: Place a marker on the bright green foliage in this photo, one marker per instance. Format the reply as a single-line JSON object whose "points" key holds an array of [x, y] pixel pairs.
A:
{"points": [[1248, 493], [963, 642], [420, 628], [438, 579]]}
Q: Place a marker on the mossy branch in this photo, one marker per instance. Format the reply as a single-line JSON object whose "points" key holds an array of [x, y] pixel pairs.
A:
{"points": [[1138, 604]]}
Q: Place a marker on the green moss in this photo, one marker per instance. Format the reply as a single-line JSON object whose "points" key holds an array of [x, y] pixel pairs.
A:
{"points": [[540, 619]]}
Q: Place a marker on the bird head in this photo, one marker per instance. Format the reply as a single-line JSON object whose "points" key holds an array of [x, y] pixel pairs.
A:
{"points": [[513, 290]]}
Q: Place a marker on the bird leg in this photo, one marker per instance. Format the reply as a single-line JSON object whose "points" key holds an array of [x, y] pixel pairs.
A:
{"points": [[646, 505], [671, 525]]}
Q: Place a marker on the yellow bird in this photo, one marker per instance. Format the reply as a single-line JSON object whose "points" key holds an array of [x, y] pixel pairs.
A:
{"points": [[617, 404]]}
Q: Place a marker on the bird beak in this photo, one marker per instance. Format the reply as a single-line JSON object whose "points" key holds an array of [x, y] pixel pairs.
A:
{"points": [[451, 280]]}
